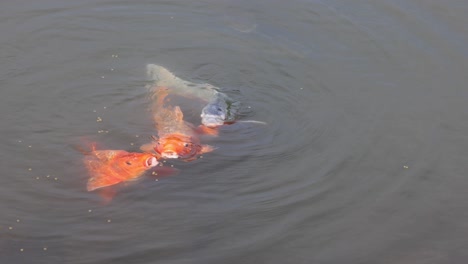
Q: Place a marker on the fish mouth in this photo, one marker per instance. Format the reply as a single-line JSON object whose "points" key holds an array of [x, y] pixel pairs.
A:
{"points": [[212, 121], [151, 162], [170, 155]]}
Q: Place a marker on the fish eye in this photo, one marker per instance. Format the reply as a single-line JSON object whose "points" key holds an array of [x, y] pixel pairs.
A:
{"points": [[186, 145], [128, 163]]}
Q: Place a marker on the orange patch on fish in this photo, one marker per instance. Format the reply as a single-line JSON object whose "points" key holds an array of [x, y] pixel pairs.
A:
{"points": [[177, 138], [180, 146], [110, 167]]}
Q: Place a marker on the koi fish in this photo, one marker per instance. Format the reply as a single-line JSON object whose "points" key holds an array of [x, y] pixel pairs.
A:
{"points": [[177, 138], [109, 167], [219, 109]]}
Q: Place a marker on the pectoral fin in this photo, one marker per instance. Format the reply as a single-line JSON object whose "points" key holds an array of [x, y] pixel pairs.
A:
{"points": [[207, 130], [100, 180], [206, 149], [107, 194], [148, 147]]}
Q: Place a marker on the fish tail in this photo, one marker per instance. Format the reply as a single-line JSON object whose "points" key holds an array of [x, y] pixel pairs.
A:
{"points": [[161, 76], [154, 72]]}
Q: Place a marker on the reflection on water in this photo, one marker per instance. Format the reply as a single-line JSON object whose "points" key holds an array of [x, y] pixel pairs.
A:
{"points": [[362, 159]]}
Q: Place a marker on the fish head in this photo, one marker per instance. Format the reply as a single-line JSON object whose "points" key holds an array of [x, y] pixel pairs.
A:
{"points": [[180, 147], [109, 167], [176, 146], [214, 115], [136, 162]]}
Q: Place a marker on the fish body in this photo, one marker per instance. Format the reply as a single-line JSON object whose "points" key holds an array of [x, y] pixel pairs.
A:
{"points": [[177, 138], [219, 109], [109, 167]]}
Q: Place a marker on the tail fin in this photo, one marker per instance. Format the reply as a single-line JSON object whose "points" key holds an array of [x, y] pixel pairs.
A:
{"points": [[160, 75]]}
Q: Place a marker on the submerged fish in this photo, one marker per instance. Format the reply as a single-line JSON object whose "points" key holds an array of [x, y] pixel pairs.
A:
{"points": [[109, 167], [177, 138], [220, 108]]}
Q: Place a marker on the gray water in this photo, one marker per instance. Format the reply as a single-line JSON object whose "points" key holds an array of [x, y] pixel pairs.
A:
{"points": [[363, 158]]}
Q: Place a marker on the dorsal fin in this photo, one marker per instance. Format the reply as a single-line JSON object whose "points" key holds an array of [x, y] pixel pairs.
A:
{"points": [[178, 113]]}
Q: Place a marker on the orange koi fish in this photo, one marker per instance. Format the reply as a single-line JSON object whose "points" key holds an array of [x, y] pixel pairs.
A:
{"points": [[109, 167], [177, 139]]}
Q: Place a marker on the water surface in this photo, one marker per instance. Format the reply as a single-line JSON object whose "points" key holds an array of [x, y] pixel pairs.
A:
{"points": [[363, 159]]}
